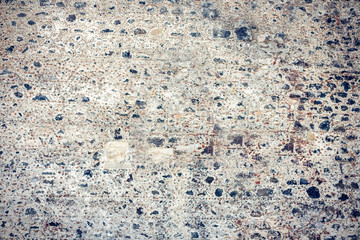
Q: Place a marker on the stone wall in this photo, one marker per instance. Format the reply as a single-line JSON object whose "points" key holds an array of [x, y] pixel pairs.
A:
{"points": [[179, 119]]}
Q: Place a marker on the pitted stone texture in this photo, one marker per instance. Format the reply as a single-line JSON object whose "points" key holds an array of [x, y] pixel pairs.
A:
{"points": [[169, 119]]}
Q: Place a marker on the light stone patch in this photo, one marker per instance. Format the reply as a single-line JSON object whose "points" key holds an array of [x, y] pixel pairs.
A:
{"points": [[116, 153], [159, 155]]}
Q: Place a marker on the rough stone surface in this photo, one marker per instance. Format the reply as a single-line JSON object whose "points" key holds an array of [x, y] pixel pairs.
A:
{"points": [[179, 119]]}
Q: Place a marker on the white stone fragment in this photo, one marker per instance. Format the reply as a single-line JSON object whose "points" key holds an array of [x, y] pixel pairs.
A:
{"points": [[115, 154], [158, 155]]}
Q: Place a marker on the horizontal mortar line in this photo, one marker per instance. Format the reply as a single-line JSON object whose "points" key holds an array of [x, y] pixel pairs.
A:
{"points": [[24, 126], [90, 81], [190, 155], [148, 216], [92, 86], [119, 198], [197, 153], [127, 62], [197, 215], [126, 86], [73, 81], [103, 104], [194, 215], [53, 124]]}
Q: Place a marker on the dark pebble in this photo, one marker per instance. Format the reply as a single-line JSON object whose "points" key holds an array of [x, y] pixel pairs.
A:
{"points": [[233, 193], [157, 141], [21, 15], [79, 5], [325, 125], [126, 54], [343, 197], [303, 181], [88, 173], [60, 4], [265, 192], [71, 18], [117, 134], [135, 226], [139, 211], [237, 140], [40, 98], [313, 192], [30, 211], [139, 31], [27, 86], [37, 64], [221, 33], [18, 94], [194, 235], [59, 117], [209, 180], [219, 192], [243, 33]]}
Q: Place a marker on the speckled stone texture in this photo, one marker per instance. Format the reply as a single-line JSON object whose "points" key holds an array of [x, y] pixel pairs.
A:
{"points": [[179, 119]]}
